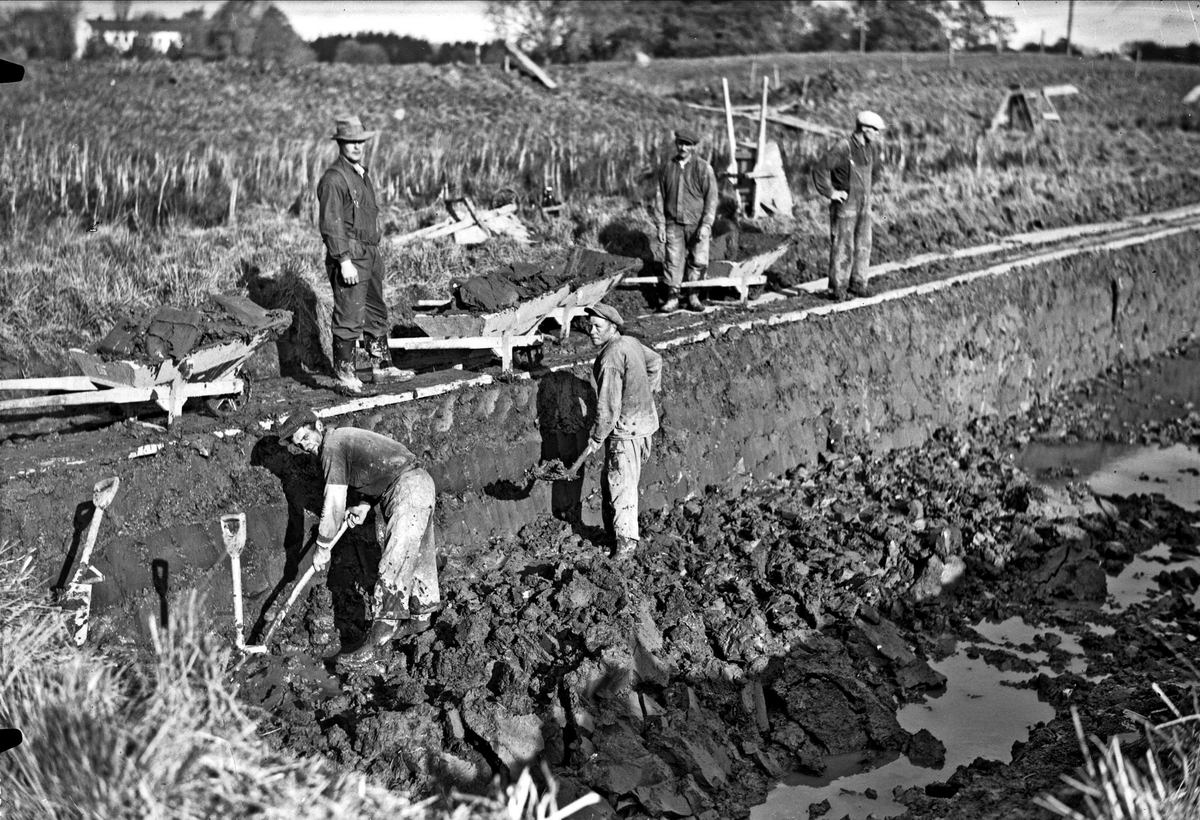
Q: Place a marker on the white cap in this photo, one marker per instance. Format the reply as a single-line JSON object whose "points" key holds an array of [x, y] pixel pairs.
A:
{"points": [[870, 119]]}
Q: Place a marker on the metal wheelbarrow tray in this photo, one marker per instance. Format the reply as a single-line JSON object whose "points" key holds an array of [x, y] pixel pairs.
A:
{"points": [[210, 372]]}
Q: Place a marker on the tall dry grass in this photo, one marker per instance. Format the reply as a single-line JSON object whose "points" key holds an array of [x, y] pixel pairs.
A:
{"points": [[164, 736], [153, 157], [1163, 783]]}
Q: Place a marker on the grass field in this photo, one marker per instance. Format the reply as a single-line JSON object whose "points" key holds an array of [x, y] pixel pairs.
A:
{"points": [[151, 157]]}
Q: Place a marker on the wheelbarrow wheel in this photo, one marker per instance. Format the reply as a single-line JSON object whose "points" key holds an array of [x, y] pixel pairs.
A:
{"points": [[228, 405]]}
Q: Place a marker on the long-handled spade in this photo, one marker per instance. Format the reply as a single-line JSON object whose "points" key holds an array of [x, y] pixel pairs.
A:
{"points": [[233, 530], [80, 587], [300, 586], [555, 471]]}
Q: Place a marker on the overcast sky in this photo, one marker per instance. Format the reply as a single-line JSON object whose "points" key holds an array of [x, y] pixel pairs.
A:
{"points": [[1103, 24]]}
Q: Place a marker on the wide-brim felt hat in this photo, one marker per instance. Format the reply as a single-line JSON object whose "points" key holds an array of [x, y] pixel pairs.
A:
{"points": [[350, 129], [605, 312]]}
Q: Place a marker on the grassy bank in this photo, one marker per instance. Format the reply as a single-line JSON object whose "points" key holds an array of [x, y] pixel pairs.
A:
{"points": [[126, 184]]}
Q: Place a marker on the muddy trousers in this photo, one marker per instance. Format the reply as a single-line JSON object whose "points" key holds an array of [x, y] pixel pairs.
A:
{"points": [[623, 459], [849, 244], [360, 308], [686, 252], [408, 567]]}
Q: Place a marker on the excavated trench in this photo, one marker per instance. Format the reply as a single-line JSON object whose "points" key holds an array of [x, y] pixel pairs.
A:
{"points": [[815, 486]]}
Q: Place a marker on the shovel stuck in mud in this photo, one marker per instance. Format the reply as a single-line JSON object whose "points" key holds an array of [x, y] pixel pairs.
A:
{"points": [[300, 586], [80, 588], [233, 530]]}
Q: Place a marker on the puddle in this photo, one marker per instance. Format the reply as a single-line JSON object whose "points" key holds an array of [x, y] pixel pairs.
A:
{"points": [[1119, 469], [1022, 638], [975, 716], [1136, 582]]}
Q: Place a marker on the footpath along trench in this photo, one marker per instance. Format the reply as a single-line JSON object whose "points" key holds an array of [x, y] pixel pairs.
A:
{"points": [[741, 645]]}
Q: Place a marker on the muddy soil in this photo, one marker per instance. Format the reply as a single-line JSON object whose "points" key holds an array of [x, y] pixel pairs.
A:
{"points": [[761, 626]]}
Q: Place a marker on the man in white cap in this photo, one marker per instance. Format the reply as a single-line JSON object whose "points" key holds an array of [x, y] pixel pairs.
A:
{"points": [[685, 206], [627, 374], [844, 178], [349, 222]]}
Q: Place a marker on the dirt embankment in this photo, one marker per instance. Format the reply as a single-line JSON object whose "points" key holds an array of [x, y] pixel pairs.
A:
{"points": [[765, 623]]}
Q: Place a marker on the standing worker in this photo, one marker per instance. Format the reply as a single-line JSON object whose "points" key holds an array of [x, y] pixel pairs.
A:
{"points": [[627, 374], [844, 178], [378, 471], [685, 206], [349, 222]]}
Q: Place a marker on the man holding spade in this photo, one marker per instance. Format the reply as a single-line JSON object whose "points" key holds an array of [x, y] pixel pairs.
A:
{"points": [[370, 469]]}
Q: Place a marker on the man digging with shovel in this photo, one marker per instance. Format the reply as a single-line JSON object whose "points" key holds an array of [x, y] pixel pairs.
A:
{"points": [[372, 469], [627, 374]]}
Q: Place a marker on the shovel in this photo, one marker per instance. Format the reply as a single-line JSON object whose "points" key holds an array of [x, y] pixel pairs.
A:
{"points": [[300, 586], [80, 587], [554, 470], [233, 530]]}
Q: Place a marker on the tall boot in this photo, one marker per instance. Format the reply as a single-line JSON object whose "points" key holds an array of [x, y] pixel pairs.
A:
{"points": [[344, 372], [382, 368], [672, 303], [387, 621]]}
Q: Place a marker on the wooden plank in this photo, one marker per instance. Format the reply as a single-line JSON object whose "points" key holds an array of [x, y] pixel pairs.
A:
{"points": [[463, 342], [76, 383], [530, 66], [124, 395], [1060, 90], [451, 226], [736, 282], [777, 118]]}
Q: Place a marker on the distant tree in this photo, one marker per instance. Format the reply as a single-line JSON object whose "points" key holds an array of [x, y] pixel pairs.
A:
{"points": [[257, 30], [356, 53], [143, 49], [122, 9], [825, 28], [462, 52], [539, 27], [968, 25], [325, 48], [41, 33], [903, 25], [97, 48]]}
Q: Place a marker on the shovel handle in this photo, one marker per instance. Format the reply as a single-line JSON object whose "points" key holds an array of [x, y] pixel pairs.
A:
{"points": [[300, 586]]}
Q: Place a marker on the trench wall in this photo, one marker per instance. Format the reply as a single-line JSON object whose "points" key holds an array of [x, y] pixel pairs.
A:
{"points": [[756, 402]]}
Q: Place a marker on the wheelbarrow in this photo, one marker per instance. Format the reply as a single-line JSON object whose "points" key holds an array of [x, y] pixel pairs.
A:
{"points": [[211, 373]]}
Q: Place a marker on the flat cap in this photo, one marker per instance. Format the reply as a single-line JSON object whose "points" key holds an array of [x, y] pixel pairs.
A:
{"points": [[295, 420], [870, 119], [686, 135], [605, 312]]}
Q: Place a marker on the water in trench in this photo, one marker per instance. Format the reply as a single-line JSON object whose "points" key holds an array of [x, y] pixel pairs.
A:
{"points": [[977, 715]]}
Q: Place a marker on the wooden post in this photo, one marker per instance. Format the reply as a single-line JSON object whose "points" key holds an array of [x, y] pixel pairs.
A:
{"points": [[233, 193], [1070, 23], [731, 168], [776, 78]]}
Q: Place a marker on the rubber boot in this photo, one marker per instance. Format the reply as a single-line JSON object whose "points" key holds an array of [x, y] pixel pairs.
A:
{"points": [[859, 289], [672, 303], [344, 372], [694, 304], [382, 631], [383, 370], [624, 547]]}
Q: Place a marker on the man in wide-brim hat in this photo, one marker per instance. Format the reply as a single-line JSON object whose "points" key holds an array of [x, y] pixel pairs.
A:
{"points": [[349, 222], [685, 206]]}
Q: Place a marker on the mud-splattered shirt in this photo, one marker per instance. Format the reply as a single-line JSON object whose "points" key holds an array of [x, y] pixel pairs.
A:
{"points": [[627, 374], [847, 167], [364, 461]]}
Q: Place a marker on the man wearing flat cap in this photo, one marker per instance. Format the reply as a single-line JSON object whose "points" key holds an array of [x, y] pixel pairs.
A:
{"points": [[349, 222], [370, 469], [844, 178], [627, 375], [685, 206]]}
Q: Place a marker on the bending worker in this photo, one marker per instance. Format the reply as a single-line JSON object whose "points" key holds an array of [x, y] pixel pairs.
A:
{"points": [[349, 221], [685, 206], [627, 374], [843, 176], [367, 468]]}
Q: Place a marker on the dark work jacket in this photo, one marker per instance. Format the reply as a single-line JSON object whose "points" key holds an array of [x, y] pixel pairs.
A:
{"points": [[349, 217], [685, 196], [848, 167]]}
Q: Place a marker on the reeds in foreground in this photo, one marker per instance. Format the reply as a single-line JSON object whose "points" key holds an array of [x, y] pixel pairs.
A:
{"points": [[1164, 784], [166, 737]]}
